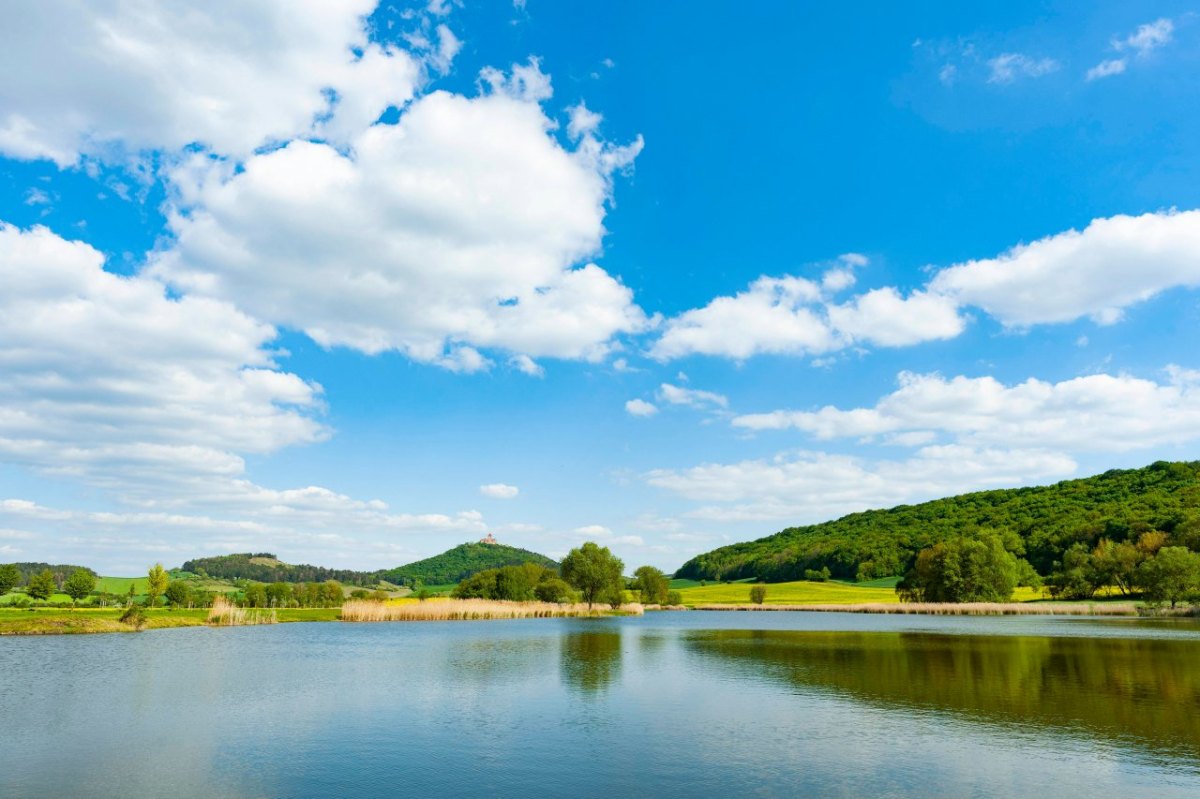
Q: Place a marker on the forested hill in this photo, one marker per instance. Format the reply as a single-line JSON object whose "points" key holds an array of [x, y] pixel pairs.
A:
{"points": [[264, 567], [461, 562], [1045, 520]]}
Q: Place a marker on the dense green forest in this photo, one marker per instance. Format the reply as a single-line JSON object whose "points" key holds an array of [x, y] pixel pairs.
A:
{"points": [[264, 567], [61, 571], [461, 562], [1040, 523]]}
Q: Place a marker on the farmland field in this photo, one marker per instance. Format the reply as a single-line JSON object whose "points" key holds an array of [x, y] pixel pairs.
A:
{"points": [[803, 592]]}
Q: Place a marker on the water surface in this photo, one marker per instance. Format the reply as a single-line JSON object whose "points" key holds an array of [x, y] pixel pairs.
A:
{"points": [[735, 704]]}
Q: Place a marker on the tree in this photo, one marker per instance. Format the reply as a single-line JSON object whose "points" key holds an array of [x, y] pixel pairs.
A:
{"points": [[178, 593], [157, 586], [81, 583], [10, 576], [758, 594], [593, 570], [962, 570], [652, 584], [554, 590], [1173, 575], [41, 586]]}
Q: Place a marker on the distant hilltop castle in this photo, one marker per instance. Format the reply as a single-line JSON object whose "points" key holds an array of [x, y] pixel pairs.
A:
{"points": [[489, 539]]}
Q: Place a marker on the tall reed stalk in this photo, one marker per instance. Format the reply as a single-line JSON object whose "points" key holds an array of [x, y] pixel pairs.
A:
{"points": [[226, 614], [471, 609]]}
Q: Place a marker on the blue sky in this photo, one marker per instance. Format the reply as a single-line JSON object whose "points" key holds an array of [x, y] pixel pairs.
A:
{"points": [[355, 284]]}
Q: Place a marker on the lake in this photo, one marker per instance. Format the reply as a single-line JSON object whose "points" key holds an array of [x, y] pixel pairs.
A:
{"points": [[682, 704]]}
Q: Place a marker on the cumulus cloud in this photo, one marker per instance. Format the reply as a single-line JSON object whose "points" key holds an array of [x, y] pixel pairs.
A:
{"points": [[125, 76], [1094, 413], [638, 407], [691, 397], [1148, 37], [795, 316], [463, 227], [813, 486], [112, 383], [1113, 263], [499, 491]]}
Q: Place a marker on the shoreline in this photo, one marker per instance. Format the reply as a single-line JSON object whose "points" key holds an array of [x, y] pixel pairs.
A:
{"points": [[1119, 609]]}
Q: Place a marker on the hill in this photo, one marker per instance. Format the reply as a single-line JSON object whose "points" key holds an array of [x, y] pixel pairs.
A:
{"points": [[1117, 505], [264, 567], [461, 562]]}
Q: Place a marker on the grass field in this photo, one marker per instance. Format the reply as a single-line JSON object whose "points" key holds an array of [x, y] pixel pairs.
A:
{"points": [[120, 585], [803, 592], [57, 621]]}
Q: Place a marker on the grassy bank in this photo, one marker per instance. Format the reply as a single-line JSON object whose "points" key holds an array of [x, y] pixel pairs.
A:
{"points": [[472, 609], [803, 592], [58, 621], [957, 609]]}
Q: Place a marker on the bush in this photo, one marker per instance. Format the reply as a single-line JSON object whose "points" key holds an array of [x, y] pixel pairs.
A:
{"points": [[674, 598], [134, 616], [554, 590], [817, 575], [758, 594]]}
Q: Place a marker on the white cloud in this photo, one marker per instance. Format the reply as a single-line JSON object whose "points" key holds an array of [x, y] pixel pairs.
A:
{"points": [[794, 316], [595, 530], [1107, 68], [885, 318], [812, 486], [637, 407], [448, 47], [691, 397], [130, 75], [1007, 67], [108, 379], [154, 400], [458, 229], [773, 316], [1113, 263], [499, 491], [581, 121], [1094, 413], [1148, 37]]}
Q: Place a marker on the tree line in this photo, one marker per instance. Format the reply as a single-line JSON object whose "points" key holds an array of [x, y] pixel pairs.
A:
{"points": [[1074, 516]]}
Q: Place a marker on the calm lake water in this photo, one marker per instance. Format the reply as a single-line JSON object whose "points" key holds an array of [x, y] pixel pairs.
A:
{"points": [[672, 704]]}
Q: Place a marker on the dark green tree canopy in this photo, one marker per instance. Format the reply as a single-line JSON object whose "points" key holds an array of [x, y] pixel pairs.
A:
{"points": [[81, 583], [962, 570], [1118, 505], [593, 570]]}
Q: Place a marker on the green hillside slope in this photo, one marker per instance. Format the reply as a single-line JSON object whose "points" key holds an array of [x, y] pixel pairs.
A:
{"points": [[266, 568], [1117, 505], [461, 562]]}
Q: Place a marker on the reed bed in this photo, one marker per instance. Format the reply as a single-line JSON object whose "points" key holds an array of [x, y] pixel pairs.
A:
{"points": [[956, 609], [226, 614], [473, 609]]}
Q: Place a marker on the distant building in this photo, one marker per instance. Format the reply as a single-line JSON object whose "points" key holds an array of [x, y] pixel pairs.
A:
{"points": [[489, 539]]}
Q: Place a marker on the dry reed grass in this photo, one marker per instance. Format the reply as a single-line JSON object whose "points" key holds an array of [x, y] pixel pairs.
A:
{"points": [[956, 609], [226, 614], [472, 609]]}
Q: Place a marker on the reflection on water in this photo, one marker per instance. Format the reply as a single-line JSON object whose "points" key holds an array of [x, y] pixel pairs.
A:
{"points": [[685, 704], [1144, 691], [591, 659]]}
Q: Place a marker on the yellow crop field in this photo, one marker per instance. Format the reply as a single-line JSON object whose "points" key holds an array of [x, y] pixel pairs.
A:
{"points": [[803, 592]]}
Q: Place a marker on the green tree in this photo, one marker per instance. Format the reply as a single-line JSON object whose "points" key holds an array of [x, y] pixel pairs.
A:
{"points": [[593, 570], [1173, 575], [674, 598], [178, 593], [758, 594], [652, 584], [41, 585], [962, 570], [554, 590], [255, 596], [81, 583], [10, 577], [157, 586]]}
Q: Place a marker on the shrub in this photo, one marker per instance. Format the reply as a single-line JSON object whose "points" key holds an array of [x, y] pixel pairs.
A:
{"points": [[134, 616], [554, 590], [758, 594], [674, 598]]}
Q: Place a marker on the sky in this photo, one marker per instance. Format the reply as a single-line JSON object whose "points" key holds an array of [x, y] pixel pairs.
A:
{"points": [[353, 283]]}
